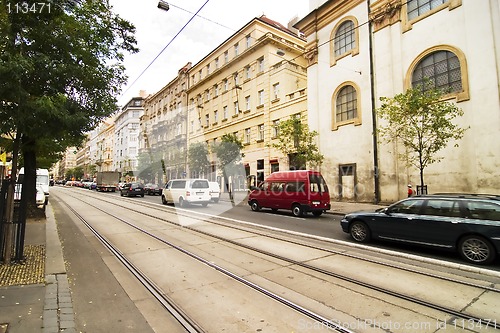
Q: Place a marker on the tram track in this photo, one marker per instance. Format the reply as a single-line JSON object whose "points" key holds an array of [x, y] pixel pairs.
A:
{"points": [[489, 322]]}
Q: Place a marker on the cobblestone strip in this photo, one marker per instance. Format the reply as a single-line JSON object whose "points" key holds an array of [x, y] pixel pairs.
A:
{"points": [[58, 315]]}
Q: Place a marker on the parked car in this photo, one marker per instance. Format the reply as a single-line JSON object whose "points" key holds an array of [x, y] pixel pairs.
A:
{"points": [[468, 224], [300, 191], [132, 190], [152, 189], [186, 191], [214, 191]]}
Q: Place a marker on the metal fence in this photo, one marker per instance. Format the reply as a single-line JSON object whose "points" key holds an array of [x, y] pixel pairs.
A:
{"points": [[14, 230]]}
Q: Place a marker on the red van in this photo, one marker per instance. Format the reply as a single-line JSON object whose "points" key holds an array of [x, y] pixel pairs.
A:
{"points": [[300, 191]]}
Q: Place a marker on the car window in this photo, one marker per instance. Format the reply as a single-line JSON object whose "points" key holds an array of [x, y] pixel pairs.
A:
{"points": [[317, 184], [294, 187], [277, 186], [200, 184], [440, 207], [483, 210], [179, 184], [407, 207]]}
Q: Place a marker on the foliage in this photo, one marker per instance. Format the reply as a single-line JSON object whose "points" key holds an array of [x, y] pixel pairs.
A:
{"points": [[74, 173], [228, 150], [61, 70], [422, 122], [198, 158], [229, 154], [297, 142]]}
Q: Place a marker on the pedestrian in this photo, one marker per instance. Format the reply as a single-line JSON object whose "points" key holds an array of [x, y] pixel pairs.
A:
{"points": [[410, 191]]}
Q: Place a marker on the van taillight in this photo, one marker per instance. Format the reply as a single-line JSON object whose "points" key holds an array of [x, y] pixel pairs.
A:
{"points": [[188, 193]]}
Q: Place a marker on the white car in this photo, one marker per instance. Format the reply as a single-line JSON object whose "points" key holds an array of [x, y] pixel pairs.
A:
{"points": [[186, 191], [214, 191]]}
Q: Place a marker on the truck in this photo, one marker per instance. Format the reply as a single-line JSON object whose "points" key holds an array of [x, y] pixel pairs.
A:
{"points": [[107, 181]]}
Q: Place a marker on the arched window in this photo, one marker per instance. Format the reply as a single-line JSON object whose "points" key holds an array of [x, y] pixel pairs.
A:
{"points": [[443, 67], [417, 8], [345, 40], [442, 71], [346, 106]]}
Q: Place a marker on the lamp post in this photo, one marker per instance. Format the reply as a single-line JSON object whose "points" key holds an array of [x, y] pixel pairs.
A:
{"points": [[163, 5]]}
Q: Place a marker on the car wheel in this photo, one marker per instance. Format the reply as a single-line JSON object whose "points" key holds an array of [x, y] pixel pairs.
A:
{"points": [[205, 204], [216, 200], [297, 210], [163, 200], [476, 250], [360, 232], [182, 204], [317, 212], [121, 194], [142, 195], [254, 205]]}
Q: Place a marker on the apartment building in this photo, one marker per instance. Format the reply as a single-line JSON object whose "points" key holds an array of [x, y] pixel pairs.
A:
{"points": [[163, 140], [105, 145], [359, 51], [245, 87], [127, 135]]}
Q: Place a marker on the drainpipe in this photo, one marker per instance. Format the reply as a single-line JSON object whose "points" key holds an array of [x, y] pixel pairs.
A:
{"points": [[374, 115]]}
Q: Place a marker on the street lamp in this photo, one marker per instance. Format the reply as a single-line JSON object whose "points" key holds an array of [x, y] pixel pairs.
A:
{"points": [[163, 5]]}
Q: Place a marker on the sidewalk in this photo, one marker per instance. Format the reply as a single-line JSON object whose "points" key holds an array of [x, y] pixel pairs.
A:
{"points": [[45, 305], [40, 300]]}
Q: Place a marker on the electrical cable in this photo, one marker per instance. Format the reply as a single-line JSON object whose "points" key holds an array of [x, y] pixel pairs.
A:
{"points": [[170, 42]]}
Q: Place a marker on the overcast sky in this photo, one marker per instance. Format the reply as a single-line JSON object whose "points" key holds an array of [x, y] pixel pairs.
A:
{"points": [[156, 28]]}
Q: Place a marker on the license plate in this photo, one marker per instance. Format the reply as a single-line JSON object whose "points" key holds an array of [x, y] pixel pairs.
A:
{"points": [[137, 189], [199, 193], [316, 202]]}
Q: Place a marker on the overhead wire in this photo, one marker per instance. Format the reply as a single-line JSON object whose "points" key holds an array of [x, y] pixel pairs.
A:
{"points": [[170, 42]]}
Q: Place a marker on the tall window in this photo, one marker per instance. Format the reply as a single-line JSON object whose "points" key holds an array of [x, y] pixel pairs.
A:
{"points": [[439, 70], [236, 108], [248, 41], [224, 112], [226, 57], [346, 104], [247, 135], [261, 132], [247, 103], [216, 116], [276, 90], [248, 73], [415, 8], [226, 85], [236, 50], [260, 63], [345, 38], [276, 128], [260, 97], [216, 63]]}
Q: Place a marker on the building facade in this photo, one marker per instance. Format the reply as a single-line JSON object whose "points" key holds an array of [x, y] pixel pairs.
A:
{"points": [[359, 51], [164, 129], [245, 87], [126, 137]]}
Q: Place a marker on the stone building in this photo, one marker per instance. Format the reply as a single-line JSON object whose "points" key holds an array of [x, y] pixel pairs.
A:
{"points": [[359, 51], [245, 87]]}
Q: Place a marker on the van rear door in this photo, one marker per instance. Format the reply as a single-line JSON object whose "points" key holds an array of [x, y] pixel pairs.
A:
{"points": [[318, 190]]}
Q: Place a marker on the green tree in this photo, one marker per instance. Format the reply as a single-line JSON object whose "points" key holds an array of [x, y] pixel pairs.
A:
{"points": [[296, 141], [422, 122], [229, 154], [61, 70], [198, 158]]}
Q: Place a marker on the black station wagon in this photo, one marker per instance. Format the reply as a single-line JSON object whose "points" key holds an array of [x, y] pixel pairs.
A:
{"points": [[467, 223]]}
